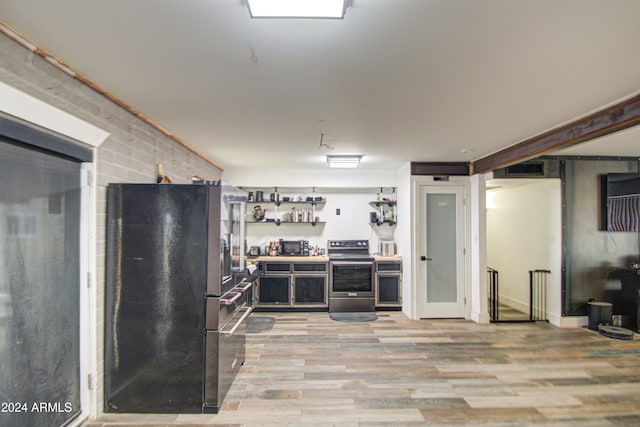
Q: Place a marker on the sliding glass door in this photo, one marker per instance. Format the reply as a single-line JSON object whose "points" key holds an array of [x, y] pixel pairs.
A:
{"points": [[39, 287]]}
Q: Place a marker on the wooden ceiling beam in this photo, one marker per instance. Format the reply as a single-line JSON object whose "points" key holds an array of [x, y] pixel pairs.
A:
{"points": [[611, 119]]}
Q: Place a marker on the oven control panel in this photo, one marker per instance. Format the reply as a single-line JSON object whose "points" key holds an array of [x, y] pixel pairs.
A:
{"points": [[348, 244]]}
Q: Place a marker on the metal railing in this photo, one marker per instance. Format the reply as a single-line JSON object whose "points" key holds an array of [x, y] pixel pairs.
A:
{"points": [[538, 289], [493, 278]]}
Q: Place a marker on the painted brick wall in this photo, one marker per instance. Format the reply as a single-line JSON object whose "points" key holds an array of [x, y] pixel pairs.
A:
{"points": [[130, 154]]}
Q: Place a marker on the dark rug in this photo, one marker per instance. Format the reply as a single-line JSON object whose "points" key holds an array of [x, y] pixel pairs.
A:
{"points": [[257, 324], [354, 317]]}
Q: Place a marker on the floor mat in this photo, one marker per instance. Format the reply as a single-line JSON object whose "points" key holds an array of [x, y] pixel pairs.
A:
{"points": [[257, 324], [354, 317]]}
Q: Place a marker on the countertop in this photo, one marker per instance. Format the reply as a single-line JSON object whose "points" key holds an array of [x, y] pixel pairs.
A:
{"points": [[315, 258], [291, 258], [387, 258]]}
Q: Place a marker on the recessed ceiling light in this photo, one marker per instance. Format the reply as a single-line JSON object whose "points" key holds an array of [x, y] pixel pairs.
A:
{"points": [[333, 9]]}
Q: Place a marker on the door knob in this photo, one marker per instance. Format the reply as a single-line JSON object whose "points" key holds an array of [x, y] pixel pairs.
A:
{"points": [[424, 258]]}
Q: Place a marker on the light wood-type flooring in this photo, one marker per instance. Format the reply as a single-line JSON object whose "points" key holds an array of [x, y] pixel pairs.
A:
{"points": [[309, 370]]}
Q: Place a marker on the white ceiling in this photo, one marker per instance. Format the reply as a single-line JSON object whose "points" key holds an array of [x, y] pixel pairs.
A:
{"points": [[396, 80], [625, 143]]}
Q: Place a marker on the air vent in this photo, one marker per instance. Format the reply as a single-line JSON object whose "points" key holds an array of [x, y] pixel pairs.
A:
{"points": [[525, 169], [536, 168]]}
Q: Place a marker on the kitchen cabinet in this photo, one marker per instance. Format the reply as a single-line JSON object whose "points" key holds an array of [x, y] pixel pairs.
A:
{"points": [[388, 283], [310, 290], [273, 290], [303, 282], [292, 284]]}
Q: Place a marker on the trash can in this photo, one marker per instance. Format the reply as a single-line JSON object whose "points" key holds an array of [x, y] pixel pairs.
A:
{"points": [[600, 313]]}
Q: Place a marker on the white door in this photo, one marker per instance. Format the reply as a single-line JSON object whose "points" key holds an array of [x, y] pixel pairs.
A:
{"points": [[440, 278]]}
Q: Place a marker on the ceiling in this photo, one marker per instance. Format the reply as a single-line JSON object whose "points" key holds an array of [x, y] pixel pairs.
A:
{"points": [[395, 80]]}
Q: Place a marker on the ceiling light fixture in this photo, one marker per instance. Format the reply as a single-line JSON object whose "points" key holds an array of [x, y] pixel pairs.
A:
{"points": [[332, 9], [343, 161]]}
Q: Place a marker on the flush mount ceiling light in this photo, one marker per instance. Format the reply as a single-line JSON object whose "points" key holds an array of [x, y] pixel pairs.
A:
{"points": [[333, 9], [343, 161]]}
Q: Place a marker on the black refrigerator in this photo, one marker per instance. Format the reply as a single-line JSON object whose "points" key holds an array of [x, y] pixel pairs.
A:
{"points": [[177, 296]]}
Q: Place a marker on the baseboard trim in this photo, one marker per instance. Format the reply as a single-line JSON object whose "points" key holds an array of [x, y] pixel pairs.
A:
{"points": [[480, 317]]}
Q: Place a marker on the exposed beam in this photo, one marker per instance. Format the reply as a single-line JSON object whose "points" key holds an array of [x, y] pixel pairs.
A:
{"points": [[612, 119]]}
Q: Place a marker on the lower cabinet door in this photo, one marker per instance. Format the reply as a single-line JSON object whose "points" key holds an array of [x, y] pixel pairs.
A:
{"points": [[310, 290], [389, 291], [274, 290]]}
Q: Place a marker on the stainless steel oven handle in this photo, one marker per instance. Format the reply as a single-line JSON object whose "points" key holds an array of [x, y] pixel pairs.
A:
{"points": [[352, 262], [231, 331], [230, 301]]}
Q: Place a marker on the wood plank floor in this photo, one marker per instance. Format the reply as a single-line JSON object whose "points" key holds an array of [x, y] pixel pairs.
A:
{"points": [[309, 370]]}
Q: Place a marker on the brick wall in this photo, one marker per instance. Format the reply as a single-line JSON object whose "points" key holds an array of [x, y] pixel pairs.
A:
{"points": [[130, 154]]}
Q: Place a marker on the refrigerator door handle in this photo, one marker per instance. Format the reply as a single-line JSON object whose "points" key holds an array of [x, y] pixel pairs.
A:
{"points": [[229, 301], [230, 332], [246, 287], [243, 234]]}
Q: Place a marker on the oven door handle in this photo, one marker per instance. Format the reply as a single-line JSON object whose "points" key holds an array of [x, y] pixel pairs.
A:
{"points": [[231, 331], [352, 262]]}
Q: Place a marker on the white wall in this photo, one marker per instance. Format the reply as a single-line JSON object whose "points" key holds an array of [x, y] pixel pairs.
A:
{"points": [[404, 236], [524, 230], [478, 249], [291, 177], [349, 190], [351, 223]]}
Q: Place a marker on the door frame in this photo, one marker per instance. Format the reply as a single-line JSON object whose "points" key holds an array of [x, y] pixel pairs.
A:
{"points": [[41, 115], [457, 181]]}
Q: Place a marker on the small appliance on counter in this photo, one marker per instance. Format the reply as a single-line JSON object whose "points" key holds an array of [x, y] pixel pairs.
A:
{"points": [[387, 248], [294, 247], [254, 251]]}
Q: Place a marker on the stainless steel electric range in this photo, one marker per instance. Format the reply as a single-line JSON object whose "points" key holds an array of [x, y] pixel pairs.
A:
{"points": [[350, 276]]}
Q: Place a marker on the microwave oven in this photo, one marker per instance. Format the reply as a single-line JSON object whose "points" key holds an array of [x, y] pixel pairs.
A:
{"points": [[294, 247]]}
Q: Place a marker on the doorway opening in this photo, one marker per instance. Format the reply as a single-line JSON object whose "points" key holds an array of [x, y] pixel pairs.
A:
{"points": [[41, 275], [524, 246], [441, 246]]}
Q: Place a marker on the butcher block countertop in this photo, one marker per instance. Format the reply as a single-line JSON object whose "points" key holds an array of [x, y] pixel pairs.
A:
{"points": [[291, 258], [387, 258], [315, 258]]}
